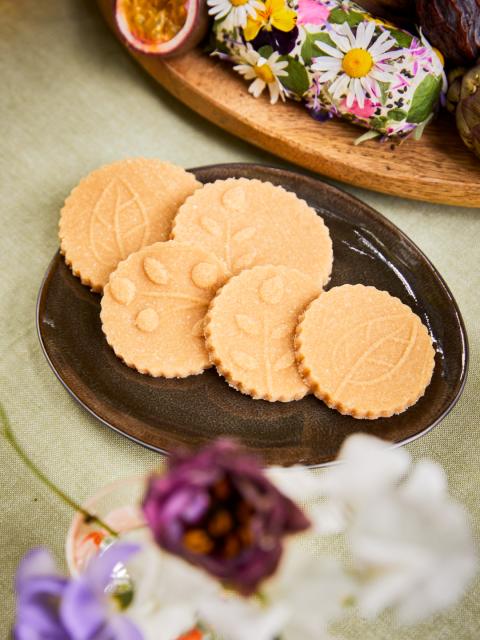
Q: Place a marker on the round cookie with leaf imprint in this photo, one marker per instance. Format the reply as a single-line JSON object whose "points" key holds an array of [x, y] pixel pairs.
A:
{"points": [[248, 223], [118, 209], [249, 331], [154, 305], [363, 352]]}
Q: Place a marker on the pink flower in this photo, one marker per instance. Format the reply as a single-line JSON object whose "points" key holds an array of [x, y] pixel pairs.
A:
{"points": [[366, 111], [312, 12]]}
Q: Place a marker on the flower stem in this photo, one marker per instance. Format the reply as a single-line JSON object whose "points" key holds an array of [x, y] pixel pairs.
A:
{"points": [[10, 436]]}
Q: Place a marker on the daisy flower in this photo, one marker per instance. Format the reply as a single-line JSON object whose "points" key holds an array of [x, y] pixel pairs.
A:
{"points": [[235, 12], [264, 72], [357, 63]]}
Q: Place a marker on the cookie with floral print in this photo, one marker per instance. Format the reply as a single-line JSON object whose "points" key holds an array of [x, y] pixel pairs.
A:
{"points": [[249, 331], [248, 223], [154, 305], [118, 209], [363, 352]]}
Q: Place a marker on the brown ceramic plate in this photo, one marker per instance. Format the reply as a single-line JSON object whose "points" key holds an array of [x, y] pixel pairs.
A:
{"points": [[163, 414]]}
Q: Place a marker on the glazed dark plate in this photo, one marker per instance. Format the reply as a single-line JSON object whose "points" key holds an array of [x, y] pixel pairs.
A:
{"points": [[163, 414]]}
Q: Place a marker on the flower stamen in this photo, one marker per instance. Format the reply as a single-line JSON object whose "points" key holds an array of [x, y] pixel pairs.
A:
{"points": [[264, 72], [357, 63], [197, 541]]}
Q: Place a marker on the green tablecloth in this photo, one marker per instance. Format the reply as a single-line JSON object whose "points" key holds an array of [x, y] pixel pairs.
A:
{"points": [[70, 100]]}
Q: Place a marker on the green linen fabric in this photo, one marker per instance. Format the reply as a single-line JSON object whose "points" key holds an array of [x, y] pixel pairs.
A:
{"points": [[72, 99]]}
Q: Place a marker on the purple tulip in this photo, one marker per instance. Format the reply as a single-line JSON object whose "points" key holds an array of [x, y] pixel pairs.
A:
{"points": [[52, 607], [218, 510]]}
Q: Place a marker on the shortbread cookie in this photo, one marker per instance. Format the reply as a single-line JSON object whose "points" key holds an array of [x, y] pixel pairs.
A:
{"points": [[118, 209], [363, 352], [154, 306], [248, 223], [249, 331]]}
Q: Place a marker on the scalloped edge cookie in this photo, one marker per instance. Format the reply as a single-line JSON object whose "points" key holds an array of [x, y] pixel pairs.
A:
{"points": [[311, 377], [76, 240], [272, 293], [131, 309], [200, 210]]}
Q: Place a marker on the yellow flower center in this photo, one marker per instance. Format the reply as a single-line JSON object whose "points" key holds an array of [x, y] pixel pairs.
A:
{"points": [[238, 3], [264, 72], [357, 63]]}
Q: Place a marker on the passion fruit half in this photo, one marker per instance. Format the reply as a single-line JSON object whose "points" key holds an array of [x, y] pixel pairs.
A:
{"points": [[162, 27]]}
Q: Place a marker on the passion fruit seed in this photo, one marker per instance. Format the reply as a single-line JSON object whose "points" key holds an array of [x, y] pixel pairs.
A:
{"points": [[357, 63], [155, 20]]}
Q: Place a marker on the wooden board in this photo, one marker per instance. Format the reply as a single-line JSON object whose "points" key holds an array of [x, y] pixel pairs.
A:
{"points": [[438, 168]]}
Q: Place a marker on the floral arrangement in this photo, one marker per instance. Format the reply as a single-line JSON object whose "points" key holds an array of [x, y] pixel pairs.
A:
{"points": [[336, 57], [225, 551]]}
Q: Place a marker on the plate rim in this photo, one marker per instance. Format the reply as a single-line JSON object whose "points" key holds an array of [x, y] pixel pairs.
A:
{"points": [[377, 215]]}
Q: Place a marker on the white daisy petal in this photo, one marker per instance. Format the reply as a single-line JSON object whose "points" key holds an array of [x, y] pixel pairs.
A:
{"points": [[241, 17], [359, 93], [360, 36], [384, 47], [274, 92], [350, 98], [346, 30], [257, 87], [335, 53], [391, 55], [229, 22], [367, 84], [378, 43], [341, 41], [335, 84], [339, 86], [382, 76], [219, 9], [369, 31], [328, 75], [325, 64]]}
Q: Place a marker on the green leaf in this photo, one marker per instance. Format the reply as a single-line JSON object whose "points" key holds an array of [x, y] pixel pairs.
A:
{"points": [[403, 38], [369, 135], [424, 99], [397, 114], [339, 16], [310, 49], [265, 51], [378, 123], [297, 79], [384, 87]]}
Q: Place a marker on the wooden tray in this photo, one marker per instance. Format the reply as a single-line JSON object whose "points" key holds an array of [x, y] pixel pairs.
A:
{"points": [[438, 168]]}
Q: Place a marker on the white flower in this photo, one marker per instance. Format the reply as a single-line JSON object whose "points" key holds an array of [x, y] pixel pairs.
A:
{"points": [[411, 544], [356, 65], [370, 467], [168, 592], [264, 72], [235, 618], [311, 590], [234, 12], [414, 548], [367, 467], [297, 603]]}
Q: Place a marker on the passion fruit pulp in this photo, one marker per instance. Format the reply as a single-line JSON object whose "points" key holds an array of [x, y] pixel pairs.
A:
{"points": [[162, 27]]}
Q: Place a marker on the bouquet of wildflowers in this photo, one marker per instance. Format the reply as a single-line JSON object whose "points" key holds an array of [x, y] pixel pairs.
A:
{"points": [[336, 57], [220, 549]]}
